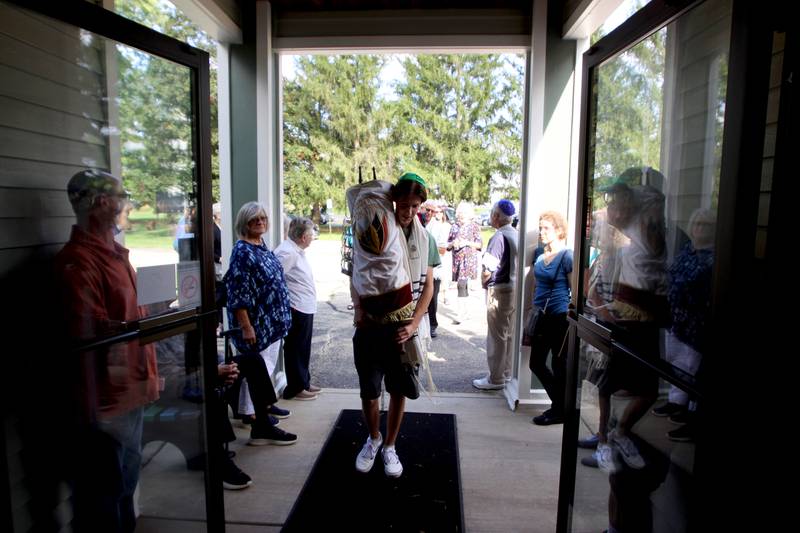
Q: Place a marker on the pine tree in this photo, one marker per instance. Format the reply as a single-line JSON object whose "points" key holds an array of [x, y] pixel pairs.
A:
{"points": [[459, 122], [155, 106], [333, 123]]}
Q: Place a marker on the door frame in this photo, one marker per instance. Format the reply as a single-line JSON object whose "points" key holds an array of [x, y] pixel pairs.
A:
{"points": [[108, 24], [743, 140]]}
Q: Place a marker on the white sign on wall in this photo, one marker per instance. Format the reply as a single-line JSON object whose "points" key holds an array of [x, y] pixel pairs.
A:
{"points": [[189, 283], [155, 284]]}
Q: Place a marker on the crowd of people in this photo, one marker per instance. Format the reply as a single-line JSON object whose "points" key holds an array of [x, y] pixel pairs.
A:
{"points": [[405, 255]]}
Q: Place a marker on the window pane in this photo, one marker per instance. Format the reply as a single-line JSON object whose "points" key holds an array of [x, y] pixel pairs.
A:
{"points": [[154, 138], [96, 170], [173, 439], [638, 473], [656, 122]]}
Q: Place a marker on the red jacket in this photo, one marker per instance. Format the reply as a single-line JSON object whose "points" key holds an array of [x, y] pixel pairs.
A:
{"points": [[98, 294]]}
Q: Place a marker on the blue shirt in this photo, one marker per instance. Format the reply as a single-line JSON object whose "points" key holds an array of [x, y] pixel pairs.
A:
{"points": [[255, 282], [552, 281], [690, 295]]}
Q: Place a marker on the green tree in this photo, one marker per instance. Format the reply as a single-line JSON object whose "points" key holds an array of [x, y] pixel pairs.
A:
{"points": [[155, 106], [333, 123], [458, 120], [628, 106], [629, 103]]}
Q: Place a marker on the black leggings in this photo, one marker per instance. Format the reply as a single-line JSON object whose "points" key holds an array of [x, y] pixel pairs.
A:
{"points": [[253, 367], [550, 337]]}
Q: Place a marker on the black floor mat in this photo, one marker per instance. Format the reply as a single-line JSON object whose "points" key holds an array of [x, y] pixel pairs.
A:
{"points": [[426, 497]]}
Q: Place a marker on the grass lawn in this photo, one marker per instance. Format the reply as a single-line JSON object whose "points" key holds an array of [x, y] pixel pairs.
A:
{"points": [[149, 230], [144, 214], [157, 238]]}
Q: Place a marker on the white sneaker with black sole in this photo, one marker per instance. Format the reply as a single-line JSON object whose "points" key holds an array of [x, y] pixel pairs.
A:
{"points": [[366, 457], [391, 462], [605, 458], [627, 450]]}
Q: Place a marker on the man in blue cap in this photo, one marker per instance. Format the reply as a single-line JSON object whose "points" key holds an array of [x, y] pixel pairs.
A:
{"points": [[499, 277]]}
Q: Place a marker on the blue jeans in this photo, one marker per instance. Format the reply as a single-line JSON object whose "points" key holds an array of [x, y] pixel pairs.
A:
{"points": [[108, 462]]}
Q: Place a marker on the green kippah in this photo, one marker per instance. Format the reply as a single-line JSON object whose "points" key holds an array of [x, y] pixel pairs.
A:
{"points": [[410, 176]]}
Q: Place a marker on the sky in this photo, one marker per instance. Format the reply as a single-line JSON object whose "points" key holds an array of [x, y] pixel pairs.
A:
{"points": [[392, 71]]}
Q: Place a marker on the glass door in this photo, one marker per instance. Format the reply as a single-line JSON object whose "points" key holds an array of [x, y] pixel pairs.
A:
{"points": [[653, 123], [106, 248]]}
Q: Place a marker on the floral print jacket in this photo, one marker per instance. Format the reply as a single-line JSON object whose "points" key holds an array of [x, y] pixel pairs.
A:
{"points": [[255, 282]]}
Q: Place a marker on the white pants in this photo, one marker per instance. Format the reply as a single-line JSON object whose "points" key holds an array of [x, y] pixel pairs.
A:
{"points": [[686, 358], [270, 356]]}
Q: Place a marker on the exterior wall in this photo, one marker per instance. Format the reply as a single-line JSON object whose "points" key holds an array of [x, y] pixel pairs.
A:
{"points": [[244, 187], [548, 177], [694, 51], [53, 116], [770, 138], [53, 122]]}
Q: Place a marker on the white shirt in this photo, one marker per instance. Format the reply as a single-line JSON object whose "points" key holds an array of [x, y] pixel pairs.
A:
{"points": [[299, 278], [440, 232]]}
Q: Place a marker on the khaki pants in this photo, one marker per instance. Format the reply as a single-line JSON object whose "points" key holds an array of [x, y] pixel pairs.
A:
{"points": [[500, 333]]}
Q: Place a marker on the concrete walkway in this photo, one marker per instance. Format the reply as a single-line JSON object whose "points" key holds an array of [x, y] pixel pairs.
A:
{"points": [[509, 468], [459, 352]]}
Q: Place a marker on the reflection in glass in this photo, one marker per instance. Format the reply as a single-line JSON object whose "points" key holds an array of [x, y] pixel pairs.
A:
{"points": [[656, 125], [173, 440], [92, 132], [124, 392], [152, 100], [111, 385], [630, 482]]}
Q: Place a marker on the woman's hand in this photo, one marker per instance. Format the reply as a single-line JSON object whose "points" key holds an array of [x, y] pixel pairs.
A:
{"points": [[228, 373], [248, 334]]}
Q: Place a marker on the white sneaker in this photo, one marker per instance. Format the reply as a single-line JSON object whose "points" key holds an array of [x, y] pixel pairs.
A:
{"points": [[366, 456], [627, 449], [391, 463], [484, 384], [605, 458]]}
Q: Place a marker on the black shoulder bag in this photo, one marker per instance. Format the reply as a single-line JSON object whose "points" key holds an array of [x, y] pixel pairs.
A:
{"points": [[537, 313]]}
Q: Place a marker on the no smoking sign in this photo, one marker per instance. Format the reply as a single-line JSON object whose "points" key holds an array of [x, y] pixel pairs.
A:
{"points": [[189, 283]]}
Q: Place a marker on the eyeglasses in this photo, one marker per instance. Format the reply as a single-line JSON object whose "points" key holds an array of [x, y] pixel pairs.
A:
{"points": [[121, 195], [257, 219]]}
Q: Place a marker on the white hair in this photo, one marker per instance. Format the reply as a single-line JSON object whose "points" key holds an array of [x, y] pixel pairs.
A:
{"points": [[248, 212]]}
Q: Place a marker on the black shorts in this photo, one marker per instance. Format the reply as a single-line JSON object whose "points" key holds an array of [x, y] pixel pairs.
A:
{"points": [[377, 357], [625, 373]]}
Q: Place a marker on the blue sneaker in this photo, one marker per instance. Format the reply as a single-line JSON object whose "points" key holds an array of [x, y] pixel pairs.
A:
{"points": [[277, 412], [589, 442], [247, 421]]}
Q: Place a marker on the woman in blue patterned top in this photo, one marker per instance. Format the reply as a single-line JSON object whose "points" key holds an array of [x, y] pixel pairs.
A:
{"points": [[258, 303], [258, 299]]}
